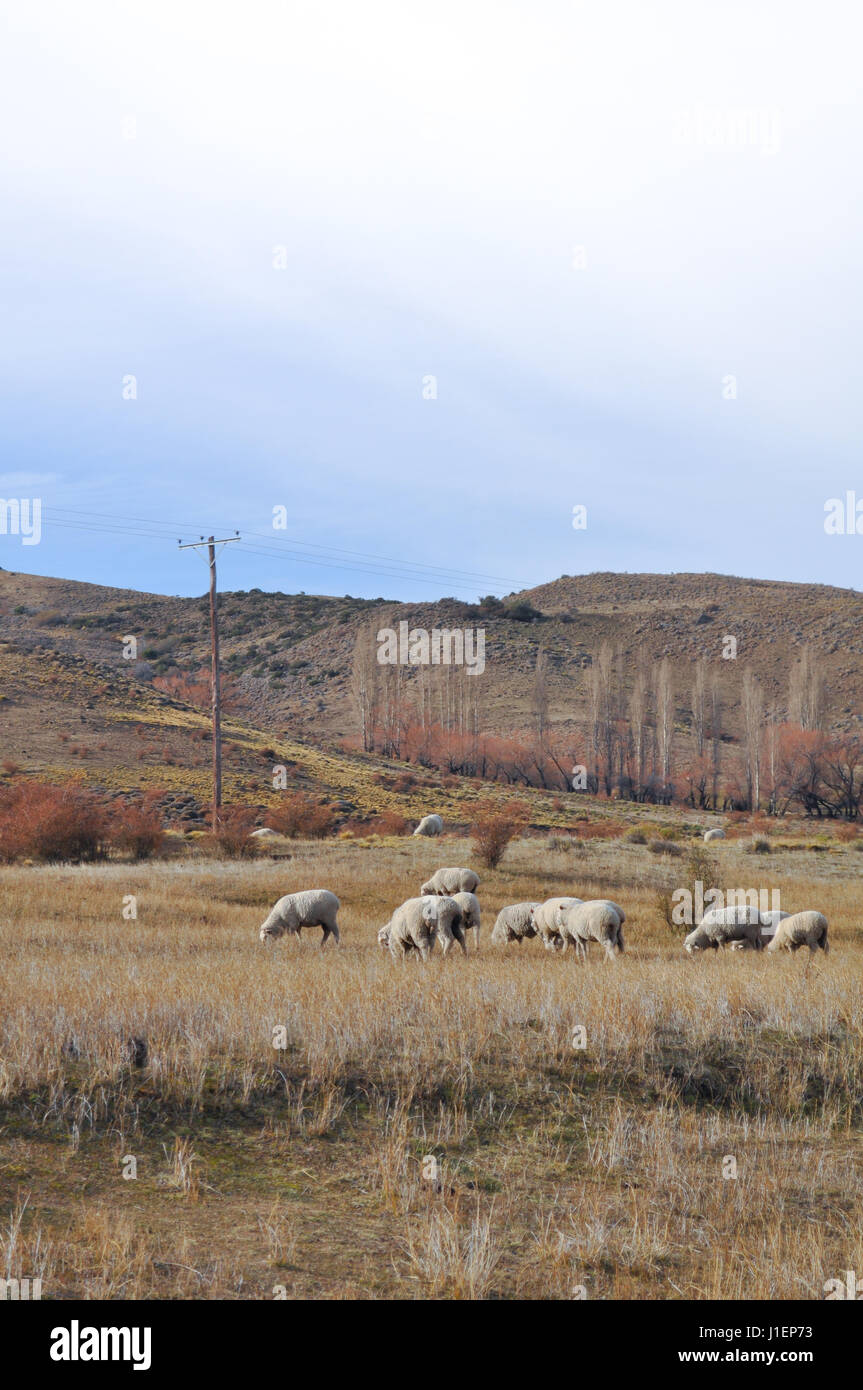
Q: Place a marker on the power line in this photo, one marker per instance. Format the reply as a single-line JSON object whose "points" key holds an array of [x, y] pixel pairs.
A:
{"points": [[278, 545]]}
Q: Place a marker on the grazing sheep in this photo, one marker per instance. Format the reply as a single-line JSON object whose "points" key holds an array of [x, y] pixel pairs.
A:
{"points": [[514, 923], [546, 920], [468, 907], [769, 922], [722, 925], [315, 907], [264, 833], [446, 882], [717, 834], [416, 925], [429, 825], [597, 920], [801, 929]]}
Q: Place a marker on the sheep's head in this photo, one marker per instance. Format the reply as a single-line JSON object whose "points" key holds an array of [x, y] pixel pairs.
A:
{"points": [[426, 889], [384, 937], [277, 924], [697, 940]]}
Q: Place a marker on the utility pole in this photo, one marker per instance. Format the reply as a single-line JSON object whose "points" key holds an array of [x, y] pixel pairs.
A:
{"points": [[215, 673]]}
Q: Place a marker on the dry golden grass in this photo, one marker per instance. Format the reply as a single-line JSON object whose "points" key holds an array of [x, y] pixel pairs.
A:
{"points": [[303, 1171]]}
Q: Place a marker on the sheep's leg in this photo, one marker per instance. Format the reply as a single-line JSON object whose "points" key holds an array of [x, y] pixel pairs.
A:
{"points": [[476, 929], [326, 932]]}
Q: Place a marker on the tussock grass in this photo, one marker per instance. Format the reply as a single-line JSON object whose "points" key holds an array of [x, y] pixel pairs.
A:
{"points": [[303, 1166]]}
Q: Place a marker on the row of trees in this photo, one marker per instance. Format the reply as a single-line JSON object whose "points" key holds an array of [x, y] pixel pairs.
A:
{"points": [[644, 738]]}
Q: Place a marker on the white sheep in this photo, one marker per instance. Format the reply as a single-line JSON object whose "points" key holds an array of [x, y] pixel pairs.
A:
{"points": [[417, 924], [446, 882], [429, 825], [514, 923], [717, 834], [769, 922], [469, 918], [723, 925], [547, 921], [314, 907], [801, 929], [596, 920]]}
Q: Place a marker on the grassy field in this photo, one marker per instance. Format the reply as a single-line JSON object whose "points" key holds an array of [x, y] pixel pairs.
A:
{"points": [[304, 1170]]}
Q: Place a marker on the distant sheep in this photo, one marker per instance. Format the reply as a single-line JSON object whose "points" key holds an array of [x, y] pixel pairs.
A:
{"points": [[446, 882], [315, 907], [514, 923], [547, 921], [717, 834], [469, 918], [801, 929], [417, 924], [723, 925], [597, 920], [430, 825]]}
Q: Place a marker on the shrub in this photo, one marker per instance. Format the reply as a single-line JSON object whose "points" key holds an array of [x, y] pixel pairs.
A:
{"points": [[494, 828], [137, 830], [390, 823], [636, 836], [560, 842], [701, 868], [53, 824], [844, 833], [297, 815], [760, 846], [232, 838], [669, 847]]}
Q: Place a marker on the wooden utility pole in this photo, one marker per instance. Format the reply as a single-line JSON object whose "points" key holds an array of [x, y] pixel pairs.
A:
{"points": [[215, 672]]}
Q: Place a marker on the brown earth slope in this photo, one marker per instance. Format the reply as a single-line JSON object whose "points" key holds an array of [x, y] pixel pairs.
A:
{"points": [[69, 700]]}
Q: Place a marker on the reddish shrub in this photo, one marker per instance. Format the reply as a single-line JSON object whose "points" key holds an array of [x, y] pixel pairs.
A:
{"points": [[389, 823], [298, 817], [494, 828], [233, 836], [52, 824], [137, 830]]}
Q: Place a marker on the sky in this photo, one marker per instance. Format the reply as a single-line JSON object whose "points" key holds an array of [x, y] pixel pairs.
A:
{"points": [[428, 278]]}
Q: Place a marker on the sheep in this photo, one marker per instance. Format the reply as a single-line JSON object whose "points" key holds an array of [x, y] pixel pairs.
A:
{"points": [[716, 834], [429, 825], [417, 923], [769, 922], [597, 920], [801, 929], [514, 923], [722, 925], [546, 921], [447, 882], [468, 918], [314, 907]]}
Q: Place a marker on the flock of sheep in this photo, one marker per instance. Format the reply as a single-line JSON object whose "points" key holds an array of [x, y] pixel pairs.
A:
{"points": [[447, 909]]}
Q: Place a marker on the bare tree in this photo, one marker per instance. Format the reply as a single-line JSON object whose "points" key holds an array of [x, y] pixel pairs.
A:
{"points": [[540, 696], [365, 675], [665, 721], [753, 718], [806, 691], [698, 699]]}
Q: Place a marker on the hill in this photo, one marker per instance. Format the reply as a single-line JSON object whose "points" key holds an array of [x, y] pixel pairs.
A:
{"points": [[70, 702]]}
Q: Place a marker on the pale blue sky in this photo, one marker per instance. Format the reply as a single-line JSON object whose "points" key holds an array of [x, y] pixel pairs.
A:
{"points": [[430, 171]]}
